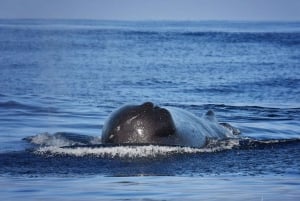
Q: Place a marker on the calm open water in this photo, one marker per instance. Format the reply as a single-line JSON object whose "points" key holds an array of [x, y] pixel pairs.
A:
{"points": [[66, 77]]}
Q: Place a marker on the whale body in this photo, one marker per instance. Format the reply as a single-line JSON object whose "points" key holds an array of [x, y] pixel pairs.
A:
{"points": [[151, 124]]}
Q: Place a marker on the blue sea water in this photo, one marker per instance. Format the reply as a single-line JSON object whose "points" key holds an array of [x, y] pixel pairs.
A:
{"points": [[62, 78]]}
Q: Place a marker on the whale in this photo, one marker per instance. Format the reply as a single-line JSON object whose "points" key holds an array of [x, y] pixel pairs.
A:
{"points": [[150, 124]]}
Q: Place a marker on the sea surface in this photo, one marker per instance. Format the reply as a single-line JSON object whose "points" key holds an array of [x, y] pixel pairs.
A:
{"points": [[60, 79]]}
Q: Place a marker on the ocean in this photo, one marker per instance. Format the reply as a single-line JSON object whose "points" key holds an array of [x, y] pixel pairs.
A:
{"points": [[60, 80]]}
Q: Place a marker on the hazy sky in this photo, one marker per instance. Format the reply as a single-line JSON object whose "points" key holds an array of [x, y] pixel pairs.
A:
{"points": [[153, 9]]}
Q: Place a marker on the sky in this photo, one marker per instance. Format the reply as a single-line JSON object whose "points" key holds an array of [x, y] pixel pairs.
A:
{"points": [[252, 10]]}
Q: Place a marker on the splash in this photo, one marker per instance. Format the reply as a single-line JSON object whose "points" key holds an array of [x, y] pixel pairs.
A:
{"points": [[60, 139]]}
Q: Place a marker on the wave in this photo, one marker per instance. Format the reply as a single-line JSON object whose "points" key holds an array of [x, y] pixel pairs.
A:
{"points": [[14, 104], [282, 37], [68, 144], [63, 143], [22, 106], [283, 111], [130, 151], [235, 36]]}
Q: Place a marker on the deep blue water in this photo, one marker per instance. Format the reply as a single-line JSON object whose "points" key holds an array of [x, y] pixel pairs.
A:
{"points": [[60, 76]]}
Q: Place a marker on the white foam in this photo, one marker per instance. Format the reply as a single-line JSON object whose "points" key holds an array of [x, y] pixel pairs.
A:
{"points": [[131, 151]]}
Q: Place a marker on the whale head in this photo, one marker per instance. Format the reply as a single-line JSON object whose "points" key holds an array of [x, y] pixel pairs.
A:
{"points": [[138, 124]]}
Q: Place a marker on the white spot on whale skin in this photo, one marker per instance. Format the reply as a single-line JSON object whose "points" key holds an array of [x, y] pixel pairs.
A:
{"points": [[140, 132], [131, 119]]}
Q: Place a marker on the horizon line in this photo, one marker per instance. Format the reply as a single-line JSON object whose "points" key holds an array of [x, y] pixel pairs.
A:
{"points": [[156, 20]]}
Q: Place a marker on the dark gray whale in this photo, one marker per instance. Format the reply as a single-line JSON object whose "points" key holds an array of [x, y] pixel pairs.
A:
{"points": [[150, 124]]}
